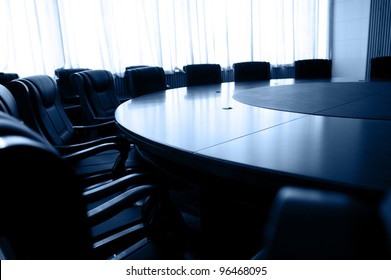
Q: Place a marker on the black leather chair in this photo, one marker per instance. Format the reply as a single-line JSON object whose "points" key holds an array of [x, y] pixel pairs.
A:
{"points": [[46, 214], [70, 97], [98, 95], [322, 224], [380, 68], [5, 78], [202, 74], [251, 71], [40, 107], [143, 80], [69, 94], [313, 69]]}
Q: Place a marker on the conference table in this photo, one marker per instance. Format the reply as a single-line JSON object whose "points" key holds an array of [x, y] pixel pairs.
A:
{"points": [[317, 132], [241, 142]]}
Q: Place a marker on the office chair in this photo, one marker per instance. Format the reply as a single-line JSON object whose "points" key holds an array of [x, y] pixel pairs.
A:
{"points": [[313, 69], [321, 224], [40, 108], [144, 80], [380, 68], [70, 97], [69, 94], [128, 81], [5, 78], [251, 71], [202, 74], [92, 167], [46, 214], [98, 95]]}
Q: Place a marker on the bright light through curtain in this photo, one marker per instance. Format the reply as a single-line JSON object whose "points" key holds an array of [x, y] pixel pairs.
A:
{"points": [[42, 35], [30, 37]]}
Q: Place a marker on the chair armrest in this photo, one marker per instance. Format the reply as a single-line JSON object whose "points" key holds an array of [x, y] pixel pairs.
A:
{"points": [[101, 190], [74, 148], [90, 131], [103, 120], [113, 206], [90, 151], [104, 125], [81, 151]]}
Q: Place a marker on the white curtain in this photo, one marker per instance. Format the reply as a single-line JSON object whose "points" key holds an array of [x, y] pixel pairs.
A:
{"points": [[30, 37], [39, 36]]}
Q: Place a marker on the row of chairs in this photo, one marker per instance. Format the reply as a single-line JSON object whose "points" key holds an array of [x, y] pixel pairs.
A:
{"points": [[101, 194], [47, 214], [203, 74], [200, 74], [380, 69], [143, 79], [152, 79]]}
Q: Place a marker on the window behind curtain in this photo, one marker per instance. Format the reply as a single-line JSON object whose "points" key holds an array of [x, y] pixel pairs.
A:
{"points": [[42, 35]]}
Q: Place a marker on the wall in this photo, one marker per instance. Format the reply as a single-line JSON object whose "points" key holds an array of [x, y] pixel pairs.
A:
{"points": [[350, 38]]}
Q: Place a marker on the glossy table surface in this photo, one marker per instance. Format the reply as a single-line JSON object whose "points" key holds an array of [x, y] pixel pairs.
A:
{"points": [[226, 128]]}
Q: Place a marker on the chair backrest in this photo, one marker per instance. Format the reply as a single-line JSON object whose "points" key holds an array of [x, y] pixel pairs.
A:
{"points": [[98, 94], [40, 107], [202, 74], [69, 94], [8, 102], [251, 71], [39, 218], [144, 80], [5, 78], [313, 69], [319, 224], [380, 68], [134, 67]]}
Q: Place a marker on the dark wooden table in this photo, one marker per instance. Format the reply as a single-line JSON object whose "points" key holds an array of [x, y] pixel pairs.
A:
{"points": [[342, 138]]}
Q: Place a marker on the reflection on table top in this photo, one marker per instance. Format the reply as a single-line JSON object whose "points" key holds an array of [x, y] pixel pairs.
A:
{"points": [[207, 122], [347, 99]]}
